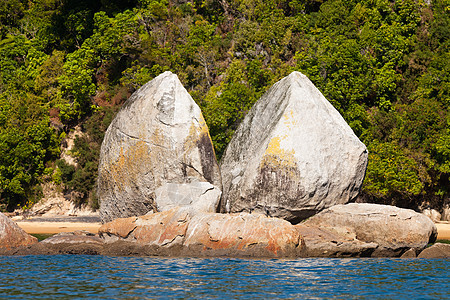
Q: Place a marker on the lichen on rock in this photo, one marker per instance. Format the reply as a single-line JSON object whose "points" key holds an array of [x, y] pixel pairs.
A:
{"points": [[157, 148], [292, 156], [187, 232]]}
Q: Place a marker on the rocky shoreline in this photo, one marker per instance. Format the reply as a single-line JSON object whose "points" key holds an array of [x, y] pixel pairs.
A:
{"points": [[282, 189], [180, 232]]}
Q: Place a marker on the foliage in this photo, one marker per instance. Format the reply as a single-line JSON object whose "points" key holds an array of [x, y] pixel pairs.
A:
{"points": [[383, 64], [82, 178]]}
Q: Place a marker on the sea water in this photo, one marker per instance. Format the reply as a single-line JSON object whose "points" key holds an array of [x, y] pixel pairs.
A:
{"points": [[101, 277]]}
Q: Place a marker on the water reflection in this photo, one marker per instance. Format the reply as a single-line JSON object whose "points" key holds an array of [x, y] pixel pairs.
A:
{"points": [[44, 277]]}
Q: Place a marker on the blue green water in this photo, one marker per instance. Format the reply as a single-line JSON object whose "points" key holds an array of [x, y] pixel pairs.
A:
{"points": [[100, 277]]}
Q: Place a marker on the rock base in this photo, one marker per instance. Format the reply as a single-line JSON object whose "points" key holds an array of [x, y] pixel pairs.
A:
{"points": [[182, 232], [438, 250], [392, 230]]}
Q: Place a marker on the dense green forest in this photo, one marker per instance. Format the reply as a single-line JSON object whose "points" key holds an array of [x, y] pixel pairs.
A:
{"points": [[384, 64]]}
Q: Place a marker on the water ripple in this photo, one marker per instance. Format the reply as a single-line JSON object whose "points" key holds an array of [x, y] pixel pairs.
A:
{"points": [[99, 277]]}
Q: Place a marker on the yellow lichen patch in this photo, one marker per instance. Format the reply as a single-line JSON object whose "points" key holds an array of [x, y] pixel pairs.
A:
{"points": [[191, 140], [289, 119], [130, 164], [158, 138], [202, 125], [196, 132], [276, 156]]}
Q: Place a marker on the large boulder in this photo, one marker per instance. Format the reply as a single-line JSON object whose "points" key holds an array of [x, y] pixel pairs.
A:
{"points": [[292, 156], [182, 231], [394, 230], [12, 236], [243, 234], [433, 214], [157, 154]]}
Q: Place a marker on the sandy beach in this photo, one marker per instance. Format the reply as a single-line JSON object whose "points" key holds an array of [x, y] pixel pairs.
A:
{"points": [[443, 230], [57, 227]]}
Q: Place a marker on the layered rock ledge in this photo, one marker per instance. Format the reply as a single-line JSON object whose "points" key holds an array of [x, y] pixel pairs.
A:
{"points": [[370, 229], [183, 232]]}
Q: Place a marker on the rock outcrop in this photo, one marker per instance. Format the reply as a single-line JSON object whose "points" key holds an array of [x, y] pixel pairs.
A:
{"points": [[164, 229], [446, 213], [12, 236], [182, 231], [327, 242], [157, 154], [411, 253], [77, 242], [394, 230], [242, 234], [438, 250], [75, 237], [292, 156]]}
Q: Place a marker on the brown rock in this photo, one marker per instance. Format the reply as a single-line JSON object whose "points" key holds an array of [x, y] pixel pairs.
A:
{"points": [[11, 235], [438, 250], [323, 242], [33, 249], [243, 235], [180, 231], [77, 242], [126, 248], [162, 229], [394, 229], [76, 237], [411, 253], [119, 227]]}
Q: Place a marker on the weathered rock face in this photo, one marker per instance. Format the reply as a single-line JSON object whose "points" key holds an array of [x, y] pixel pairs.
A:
{"points": [[182, 231], [394, 230], [77, 242], [243, 235], [326, 242], [438, 250], [11, 235], [411, 253], [76, 237], [292, 156], [157, 154], [446, 213], [163, 229]]}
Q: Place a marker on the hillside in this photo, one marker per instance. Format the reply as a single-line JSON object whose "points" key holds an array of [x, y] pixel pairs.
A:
{"points": [[385, 65]]}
